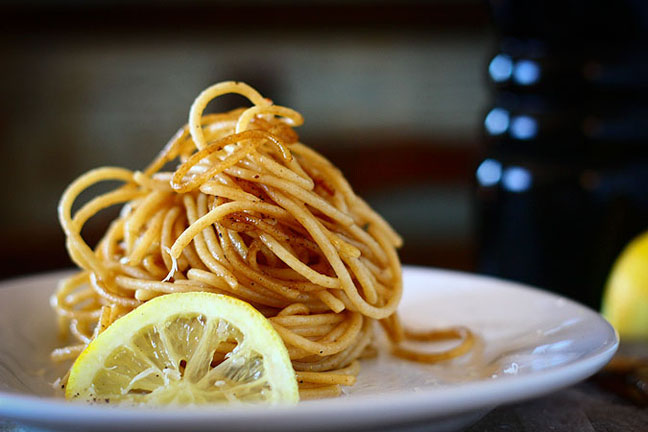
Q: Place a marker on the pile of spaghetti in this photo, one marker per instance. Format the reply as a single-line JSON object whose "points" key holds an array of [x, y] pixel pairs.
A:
{"points": [[252, 213]]}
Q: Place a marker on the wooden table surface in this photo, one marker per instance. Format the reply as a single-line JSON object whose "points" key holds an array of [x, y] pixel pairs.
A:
{"points": [[585, 407], [595, 405]]}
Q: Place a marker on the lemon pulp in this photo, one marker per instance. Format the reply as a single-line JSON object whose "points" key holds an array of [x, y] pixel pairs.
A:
{"points": [[188, 348]]}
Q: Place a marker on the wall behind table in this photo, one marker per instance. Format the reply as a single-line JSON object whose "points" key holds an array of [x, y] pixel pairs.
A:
{"points": [[396, 102]]}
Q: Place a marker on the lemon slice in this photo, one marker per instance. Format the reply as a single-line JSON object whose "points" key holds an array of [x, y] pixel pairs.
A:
{"points": [[189, 348]]}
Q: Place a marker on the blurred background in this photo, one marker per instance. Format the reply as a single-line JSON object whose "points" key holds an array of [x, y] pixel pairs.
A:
{"points": [[499, 137]]}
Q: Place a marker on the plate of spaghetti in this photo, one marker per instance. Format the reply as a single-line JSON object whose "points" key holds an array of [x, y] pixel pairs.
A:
{"points": [[236, 205]]}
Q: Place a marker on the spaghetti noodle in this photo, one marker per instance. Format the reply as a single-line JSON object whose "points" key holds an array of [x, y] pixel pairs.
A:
{"points": [[252, 213]]}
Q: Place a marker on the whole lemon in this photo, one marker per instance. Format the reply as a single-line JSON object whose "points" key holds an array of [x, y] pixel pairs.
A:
{"points": [[625, 300]]}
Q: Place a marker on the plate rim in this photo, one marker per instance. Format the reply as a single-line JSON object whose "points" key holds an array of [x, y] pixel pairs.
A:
{"points": [[426, 404]]}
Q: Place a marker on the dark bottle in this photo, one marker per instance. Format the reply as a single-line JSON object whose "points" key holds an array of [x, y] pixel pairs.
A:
{"points": [[563, 183]]}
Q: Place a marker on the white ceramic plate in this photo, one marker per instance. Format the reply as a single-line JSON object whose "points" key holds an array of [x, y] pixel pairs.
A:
{"points": [[534, 342]]}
